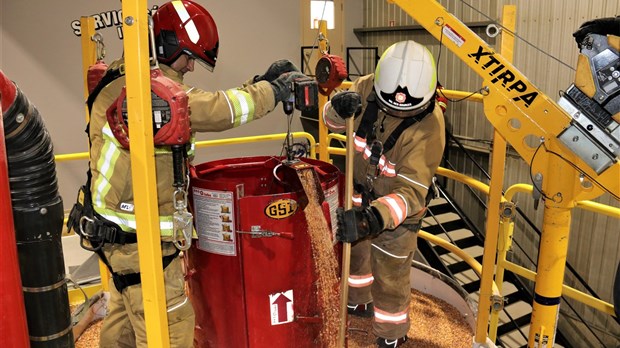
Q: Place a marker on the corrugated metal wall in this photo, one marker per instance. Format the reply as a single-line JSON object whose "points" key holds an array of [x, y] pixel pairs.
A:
{"points": [[544, 29]]}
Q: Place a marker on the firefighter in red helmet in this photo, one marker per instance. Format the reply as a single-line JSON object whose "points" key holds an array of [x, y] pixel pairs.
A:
{"points": [[399, 142], [184, 33]]}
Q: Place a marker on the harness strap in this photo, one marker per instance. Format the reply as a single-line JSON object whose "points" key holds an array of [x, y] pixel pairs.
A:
{"points": [[366, 127], [367, 195], [122, 281], [369, 118], [406, 123], [109, 76]]}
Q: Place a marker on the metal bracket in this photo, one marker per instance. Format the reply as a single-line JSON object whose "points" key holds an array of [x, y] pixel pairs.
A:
{"points": [[508, 210], [257, 232], [497, 303], [537, 192]]}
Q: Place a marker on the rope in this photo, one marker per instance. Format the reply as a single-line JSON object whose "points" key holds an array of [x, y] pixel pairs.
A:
{"points": [[517, 36]]}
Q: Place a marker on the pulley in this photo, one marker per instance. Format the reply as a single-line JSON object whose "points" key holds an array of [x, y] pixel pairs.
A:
{"points": [[96, 71], [330, 72]]}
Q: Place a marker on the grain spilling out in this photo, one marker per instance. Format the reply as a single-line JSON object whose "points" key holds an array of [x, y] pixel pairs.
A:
{"points": [[325, 261]]}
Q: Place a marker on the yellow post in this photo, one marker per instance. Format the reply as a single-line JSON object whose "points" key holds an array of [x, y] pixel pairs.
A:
{"points": [[509, 14], [559, 192], [506, 229], [490, 241], [136, 47], [89, 57], [323, 144]]}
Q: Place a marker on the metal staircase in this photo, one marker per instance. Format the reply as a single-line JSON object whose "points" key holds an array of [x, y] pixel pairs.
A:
{"points": [[446, 221]]}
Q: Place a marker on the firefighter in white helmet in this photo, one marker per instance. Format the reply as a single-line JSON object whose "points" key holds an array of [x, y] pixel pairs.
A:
{"points": [[184, 33], [399, 143]]}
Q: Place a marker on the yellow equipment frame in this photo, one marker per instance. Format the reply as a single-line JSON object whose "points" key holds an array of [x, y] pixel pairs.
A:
{"points": [[520, 113]]}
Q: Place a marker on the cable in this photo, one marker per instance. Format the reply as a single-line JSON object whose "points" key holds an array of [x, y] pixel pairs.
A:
{"points": [[594, 181], [539, 189], [517, 36], [481, 89], [318, 30]]}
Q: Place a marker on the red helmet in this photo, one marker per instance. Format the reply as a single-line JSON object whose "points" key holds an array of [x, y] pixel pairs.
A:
{"points": [[183, 26]]}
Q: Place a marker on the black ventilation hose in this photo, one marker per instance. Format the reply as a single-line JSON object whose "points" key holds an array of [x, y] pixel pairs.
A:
{"points": [[38, 217]]}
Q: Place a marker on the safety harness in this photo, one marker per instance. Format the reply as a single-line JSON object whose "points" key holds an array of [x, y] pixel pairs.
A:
{"points": [[94, 230], [366, 130]]}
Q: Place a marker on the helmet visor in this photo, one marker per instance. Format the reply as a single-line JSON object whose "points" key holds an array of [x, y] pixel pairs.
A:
{"points": [[200, 60], [417, 76]]}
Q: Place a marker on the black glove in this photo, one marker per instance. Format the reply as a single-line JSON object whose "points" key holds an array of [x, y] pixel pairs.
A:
{"points": [[283, 85], [602, 26], [347, 103], [357, 223], [276, 69]]}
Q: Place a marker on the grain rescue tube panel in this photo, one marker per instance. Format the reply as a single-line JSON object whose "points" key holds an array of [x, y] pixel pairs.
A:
{"points": [[252, 276]]}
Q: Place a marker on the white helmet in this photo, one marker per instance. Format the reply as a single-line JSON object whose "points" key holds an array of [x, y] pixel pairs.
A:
{"points": [[405, 79]]}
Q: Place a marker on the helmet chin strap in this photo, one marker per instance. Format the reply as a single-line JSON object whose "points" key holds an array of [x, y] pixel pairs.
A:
{"points": [[404, 114]]}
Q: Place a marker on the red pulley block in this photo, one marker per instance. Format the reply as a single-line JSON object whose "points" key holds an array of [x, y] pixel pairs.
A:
{"points": [[95, 73], [330, 72], [170, 113]]}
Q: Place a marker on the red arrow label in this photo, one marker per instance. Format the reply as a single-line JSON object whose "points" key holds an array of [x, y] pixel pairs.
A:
{"points": [[281, 302]]}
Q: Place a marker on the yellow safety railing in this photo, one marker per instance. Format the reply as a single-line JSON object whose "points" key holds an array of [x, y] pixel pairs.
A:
{"points": [[218, 142]]}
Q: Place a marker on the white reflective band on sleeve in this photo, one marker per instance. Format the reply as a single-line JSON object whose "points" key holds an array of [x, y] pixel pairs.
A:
{"points": [[190, 27], [387, 169], [367, 152], [334, 127], [397, 206], [360, 143], [243, 105], [106, 130], [413, 181], [382, 161]]}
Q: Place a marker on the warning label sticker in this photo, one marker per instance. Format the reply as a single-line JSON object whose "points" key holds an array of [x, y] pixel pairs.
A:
{"points": [[214, 217], [453, 35]]}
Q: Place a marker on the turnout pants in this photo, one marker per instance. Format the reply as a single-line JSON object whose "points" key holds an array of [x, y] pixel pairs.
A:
{"points": [[124, 325], [380, 269]]}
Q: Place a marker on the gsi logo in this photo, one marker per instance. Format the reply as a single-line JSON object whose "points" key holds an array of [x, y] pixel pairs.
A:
{"points": [[280, 209]]}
